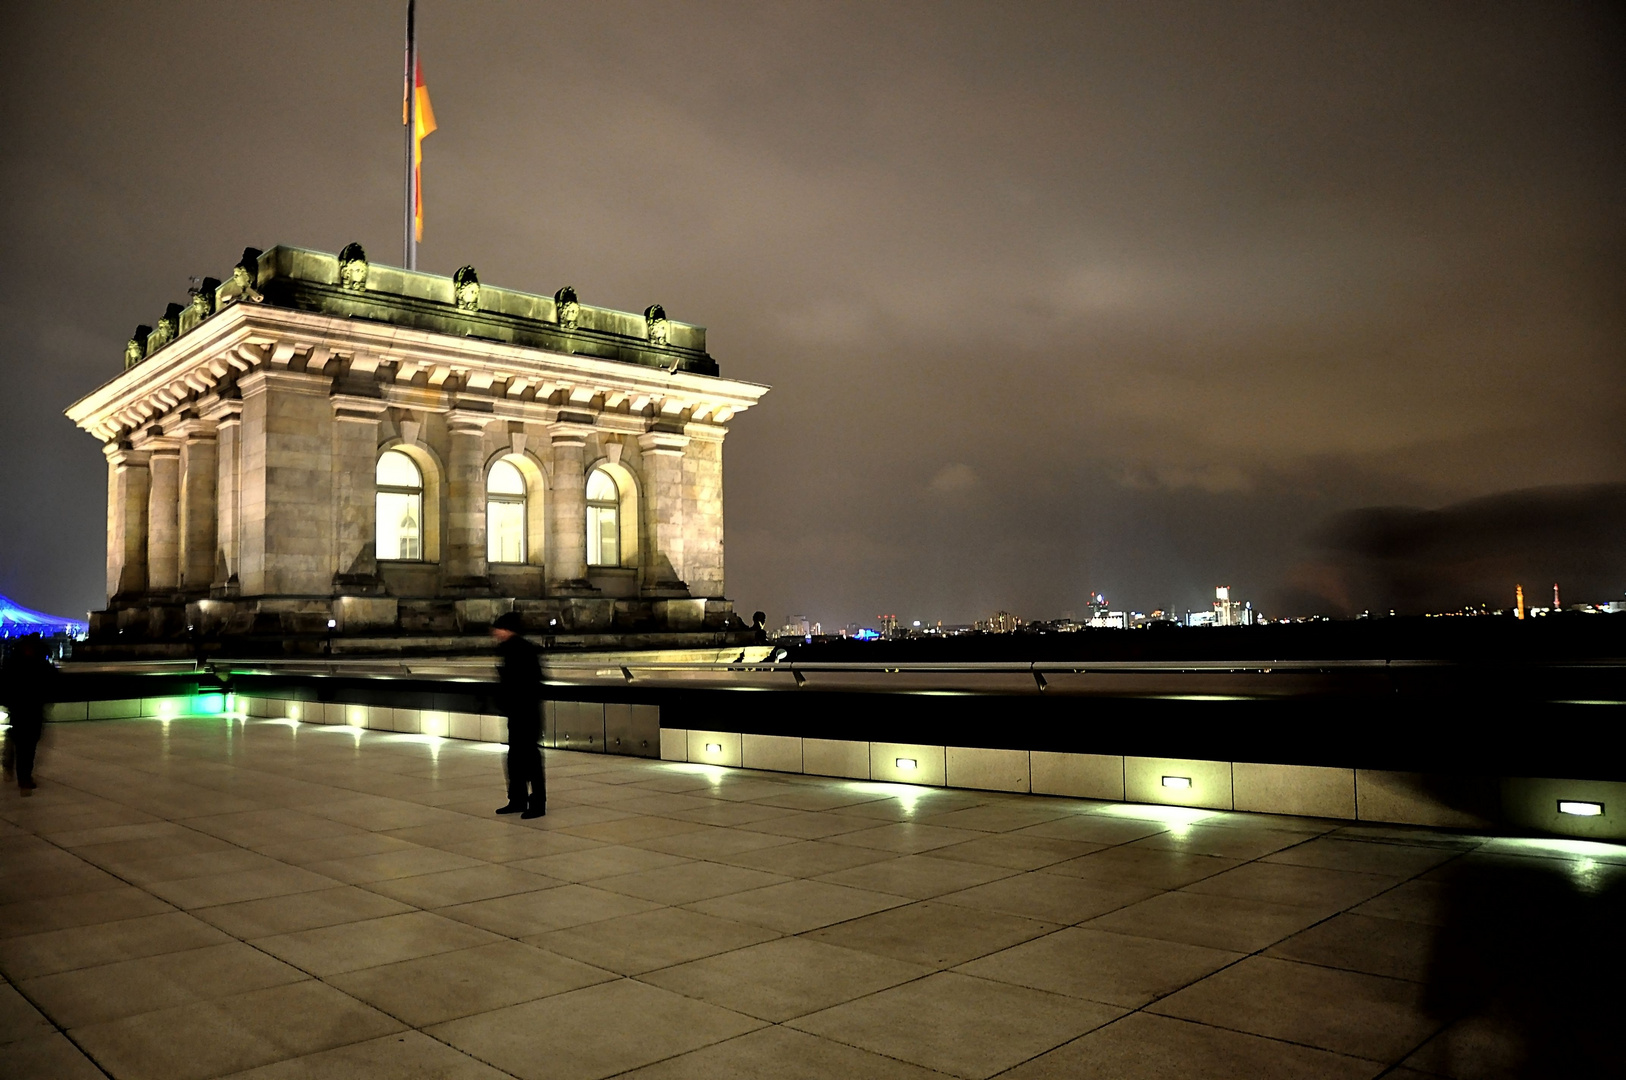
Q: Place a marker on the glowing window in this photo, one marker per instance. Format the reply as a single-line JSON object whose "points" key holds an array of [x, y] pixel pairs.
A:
{"points": [[505, 514], [399, 507], [603, 519]]}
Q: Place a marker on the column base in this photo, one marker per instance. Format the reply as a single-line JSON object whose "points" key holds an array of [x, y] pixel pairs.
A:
{"points": [[575, 587]]}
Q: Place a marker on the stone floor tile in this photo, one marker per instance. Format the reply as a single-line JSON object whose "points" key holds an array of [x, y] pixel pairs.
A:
{"points": [[808, 826], [919, 877], [1116, 969], [46, 1057], [928, 932], [595, 1032], [37, 916], [212, 1038], [728, 815], [959, 1025], [526, 914], [1003, 817], [461, 886], [712, 842], [1363, 1016], [22, 883], [785, 978], [1219, 922], [231, 888], [409, 1054], [1016, 852], [409, 862], [598, 861], [299, 911], [250, 827], [1146, 1047], [149, 872], [1399, 950], [1224, 841], [1302, 886], [1425, 902], [18, 1019], [1050, 897], [687, 883], [794, 907], [104, 943], [332, 950], [905, 837], [806, 858], [634, 944], [130, 987], [1481, 1047], [306, 853], [1131, 864], [628, 829], [447, 985], [1367, 857], [780, 1053], [515, 844], [1090, 828]]}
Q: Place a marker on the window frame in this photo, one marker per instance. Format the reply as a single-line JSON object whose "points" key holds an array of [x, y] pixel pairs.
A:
{"points": [[417, 493]]}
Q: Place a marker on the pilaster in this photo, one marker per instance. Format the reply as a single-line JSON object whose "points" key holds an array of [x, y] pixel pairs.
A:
{"points": [[663, 511], [128, 484], [567, 509], [355, 450], [227, 416], [199, 478], [163, 515], [465, 499]]}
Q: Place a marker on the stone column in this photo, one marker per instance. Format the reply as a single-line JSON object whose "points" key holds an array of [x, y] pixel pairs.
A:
{"points": [[128, 481], [163, 517], [355, 454], [663, 510], [227, 416], [199, 475], [703, 511], [567, 507], [466, 499]]}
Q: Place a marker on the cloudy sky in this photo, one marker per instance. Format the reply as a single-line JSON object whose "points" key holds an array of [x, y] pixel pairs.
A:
{"points": [[1128, 298]]}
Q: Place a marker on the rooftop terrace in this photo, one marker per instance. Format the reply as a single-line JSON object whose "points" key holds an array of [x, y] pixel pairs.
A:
{"points": [[204, 897]]}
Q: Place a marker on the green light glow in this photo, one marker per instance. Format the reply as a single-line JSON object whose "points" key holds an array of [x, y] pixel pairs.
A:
{"points": [[209, 704]]}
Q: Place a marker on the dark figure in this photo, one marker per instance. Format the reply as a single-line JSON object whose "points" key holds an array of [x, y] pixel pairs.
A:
{"points": [[519, 687], [759, 627], [25, 684]]}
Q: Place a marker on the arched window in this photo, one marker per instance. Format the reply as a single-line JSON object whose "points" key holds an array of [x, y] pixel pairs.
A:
{"points": [[505, 514], [399, 506], [603, 519]]}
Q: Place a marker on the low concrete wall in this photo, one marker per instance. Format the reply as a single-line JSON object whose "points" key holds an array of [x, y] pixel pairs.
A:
{"points": [[1256, 787]]}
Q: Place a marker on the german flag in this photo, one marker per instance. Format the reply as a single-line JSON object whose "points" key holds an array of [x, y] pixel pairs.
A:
{"points": [[423, 120]]}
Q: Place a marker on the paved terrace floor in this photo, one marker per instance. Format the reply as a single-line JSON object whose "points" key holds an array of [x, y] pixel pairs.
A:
{"points": [[203, 898]]}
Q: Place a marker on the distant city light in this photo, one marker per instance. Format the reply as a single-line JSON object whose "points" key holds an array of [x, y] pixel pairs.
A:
{"points": [[1580, 809]]}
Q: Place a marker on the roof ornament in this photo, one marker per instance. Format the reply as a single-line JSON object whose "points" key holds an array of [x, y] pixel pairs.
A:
{"points": [[655, 322], [203, 299], [353, 268], [166, 330], [567, 309], [135, 350], [466, 289], [240, 286]]}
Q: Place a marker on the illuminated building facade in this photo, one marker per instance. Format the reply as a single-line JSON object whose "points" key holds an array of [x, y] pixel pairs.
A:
{"points": [[321, 446]]}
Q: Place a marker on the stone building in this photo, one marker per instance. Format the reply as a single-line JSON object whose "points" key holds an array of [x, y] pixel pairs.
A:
{"points": [[322, 450]]}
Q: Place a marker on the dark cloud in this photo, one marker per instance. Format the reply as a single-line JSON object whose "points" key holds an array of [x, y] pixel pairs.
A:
{"points": [[1054, 297], [1475, 552]]}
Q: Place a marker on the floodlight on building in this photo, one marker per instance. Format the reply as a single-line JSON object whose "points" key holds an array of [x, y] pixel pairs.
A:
{"points": [[293, 712], [714, 748], [905, 763], [1177, 782], [1579, 808]]}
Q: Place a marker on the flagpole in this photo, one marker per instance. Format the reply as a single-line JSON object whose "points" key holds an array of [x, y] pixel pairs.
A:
{"points": [[410, 242]]}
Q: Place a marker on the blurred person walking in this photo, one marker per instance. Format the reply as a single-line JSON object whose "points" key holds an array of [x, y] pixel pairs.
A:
{"points": [[25, 687], [519, 688]]}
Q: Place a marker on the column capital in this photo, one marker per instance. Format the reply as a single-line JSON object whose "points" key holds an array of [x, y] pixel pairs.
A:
{"points": [[164, 446], [662, 442], [120, 452], [357, 409], [468, 422], [224, 411], [195, 428], [569, 432]]}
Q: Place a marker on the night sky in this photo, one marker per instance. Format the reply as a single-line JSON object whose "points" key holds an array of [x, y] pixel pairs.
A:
{"points": [[1325, 302]]}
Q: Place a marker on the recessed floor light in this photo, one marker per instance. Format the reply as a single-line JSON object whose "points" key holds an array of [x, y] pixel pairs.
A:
{"points": [[714, 748], [905, 763], [1177, 781], [1579, 808]]}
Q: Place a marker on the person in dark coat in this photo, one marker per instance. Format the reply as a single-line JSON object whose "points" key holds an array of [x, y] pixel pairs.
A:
{"points": [[25, 683], [519, 687]]}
